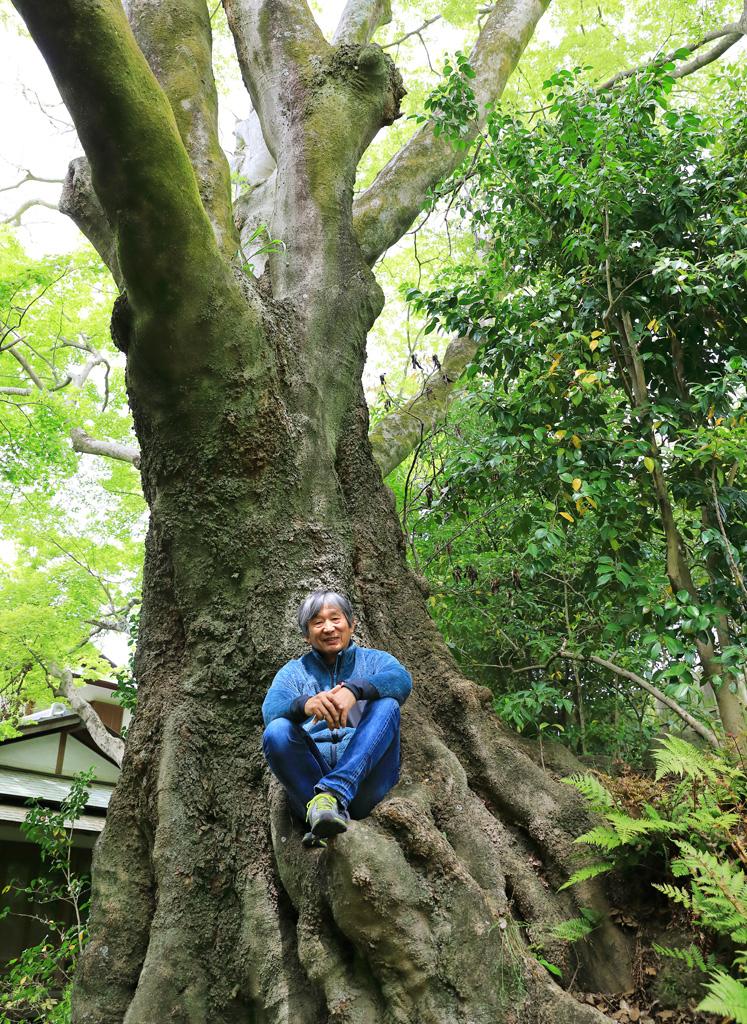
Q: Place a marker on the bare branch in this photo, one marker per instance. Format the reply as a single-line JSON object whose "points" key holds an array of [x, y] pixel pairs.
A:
{"points": [[389, 206], [28, 176], [15, 218], [706, 58], [360, 19], [112, 746], [702, 730], [87, 445], [413, 32], [16, 391], [397, 434]]}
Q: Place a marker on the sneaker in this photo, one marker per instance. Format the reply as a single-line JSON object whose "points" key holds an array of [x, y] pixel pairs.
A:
{"points": [[311, 841], [325, 816]]}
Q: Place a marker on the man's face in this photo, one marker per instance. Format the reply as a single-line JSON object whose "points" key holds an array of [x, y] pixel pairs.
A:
{"points": [[329, 632]]}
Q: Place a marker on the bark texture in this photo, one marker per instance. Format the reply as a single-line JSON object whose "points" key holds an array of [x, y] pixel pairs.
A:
{"points": [[262, 485]]}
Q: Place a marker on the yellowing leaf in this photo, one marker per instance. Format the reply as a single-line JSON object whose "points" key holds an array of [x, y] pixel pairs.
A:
{"points": [[576, 441], [711, 411], [576, 484], [649, 463], [568, 516], [560, 434], [592, 502], [596, 334], [554, 365], [594, 344], [652, 325]]}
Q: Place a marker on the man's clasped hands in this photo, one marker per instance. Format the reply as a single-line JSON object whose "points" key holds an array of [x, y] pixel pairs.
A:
{"points": [[331, 705]]}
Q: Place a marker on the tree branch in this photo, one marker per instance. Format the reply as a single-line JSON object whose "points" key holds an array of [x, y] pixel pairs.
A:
{"points": [[112, 746], [87, 445], [28, 176], [140, 170], [702, 730], [15, 218], [176, 38], [412, 32], [272, 38], [360, 19], [726, 36], [79, 202], [389, 206], [397, 434], [703, 59], [28, 369]]}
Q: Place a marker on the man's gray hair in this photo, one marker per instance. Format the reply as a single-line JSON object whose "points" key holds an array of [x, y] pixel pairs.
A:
{"points": [[314, 603]]}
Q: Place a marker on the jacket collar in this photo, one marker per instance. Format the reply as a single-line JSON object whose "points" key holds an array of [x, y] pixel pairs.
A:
{"points": [[343, 660]]}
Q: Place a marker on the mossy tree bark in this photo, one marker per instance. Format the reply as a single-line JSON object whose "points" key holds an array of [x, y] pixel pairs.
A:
{"points": [[261, 483]]}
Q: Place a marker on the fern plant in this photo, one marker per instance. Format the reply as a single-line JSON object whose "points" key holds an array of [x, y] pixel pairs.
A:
{"points": [[695, 827]]}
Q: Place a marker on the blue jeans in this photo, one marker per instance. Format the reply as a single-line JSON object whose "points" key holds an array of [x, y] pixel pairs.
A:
{"points": [[364, 774]]}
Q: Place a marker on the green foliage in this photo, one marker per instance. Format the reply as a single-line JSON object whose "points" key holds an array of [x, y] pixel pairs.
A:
{"points": [[726, 996], [607, 286], [577, 928], [71, 529], [694, 829], [35, 987], [451, 105], [521, 708]]}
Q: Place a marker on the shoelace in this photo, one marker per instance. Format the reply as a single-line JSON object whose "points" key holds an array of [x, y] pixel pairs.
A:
{"points": [[323, 802]]}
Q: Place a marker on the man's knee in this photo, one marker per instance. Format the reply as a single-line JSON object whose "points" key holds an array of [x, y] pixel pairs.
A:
{"points": [[391, 707], [278, 735]]}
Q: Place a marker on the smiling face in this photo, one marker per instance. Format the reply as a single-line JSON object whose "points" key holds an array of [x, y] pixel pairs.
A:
{"points": [[329, 632]]}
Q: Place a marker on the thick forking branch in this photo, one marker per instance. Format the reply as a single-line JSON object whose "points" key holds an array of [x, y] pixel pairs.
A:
{"points": [[175, 37], [79, 202], [140, 169], [360, 19], [388, 207], [266, 34]]}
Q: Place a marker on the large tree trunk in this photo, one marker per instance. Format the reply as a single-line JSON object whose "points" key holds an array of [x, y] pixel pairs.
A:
{"points": [[207, 907], [259, 475]]}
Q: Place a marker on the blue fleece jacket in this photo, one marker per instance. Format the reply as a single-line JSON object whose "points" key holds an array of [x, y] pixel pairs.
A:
{"points": [[367, 673]]}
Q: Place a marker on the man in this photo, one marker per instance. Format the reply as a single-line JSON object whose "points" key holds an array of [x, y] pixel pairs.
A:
{"points": [[332, 721]]}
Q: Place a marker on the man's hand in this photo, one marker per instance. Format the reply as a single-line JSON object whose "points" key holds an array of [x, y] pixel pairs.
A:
{"points": [[343, 699], [321, 706], [331, 705]]}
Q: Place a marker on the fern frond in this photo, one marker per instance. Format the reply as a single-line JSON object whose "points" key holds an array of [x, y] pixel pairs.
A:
{"points": [[726, 996], [675, 893], [677, 757], [601, 837], [629, 828], [719, 888], [689, 955], [590, 871], [589, 786], [574, 930]]}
